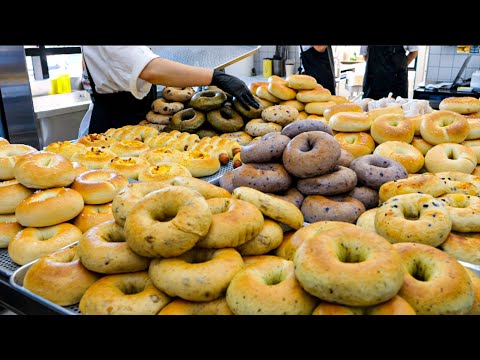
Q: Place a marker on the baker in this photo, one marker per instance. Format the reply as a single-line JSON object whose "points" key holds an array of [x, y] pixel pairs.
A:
{"points": [[386, 70], [123, 83]]}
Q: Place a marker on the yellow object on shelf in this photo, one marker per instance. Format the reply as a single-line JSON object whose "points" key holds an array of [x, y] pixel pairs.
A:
{"points": [[61, 85]]}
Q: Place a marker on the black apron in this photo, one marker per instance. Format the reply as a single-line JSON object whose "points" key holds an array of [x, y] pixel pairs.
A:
{"points": [[320, 66], [117, 109], [386, 71]]}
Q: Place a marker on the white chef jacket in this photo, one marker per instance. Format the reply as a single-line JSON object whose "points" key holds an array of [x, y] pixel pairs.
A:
{"points": [[116, 68], [408, 49]]}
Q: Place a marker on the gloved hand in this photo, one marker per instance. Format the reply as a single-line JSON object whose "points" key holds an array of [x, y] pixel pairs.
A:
{"points": [[235, 87]]}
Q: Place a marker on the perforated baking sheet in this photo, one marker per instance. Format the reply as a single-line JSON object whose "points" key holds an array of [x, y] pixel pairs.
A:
{"points": [[7, 266], [214, 179]]}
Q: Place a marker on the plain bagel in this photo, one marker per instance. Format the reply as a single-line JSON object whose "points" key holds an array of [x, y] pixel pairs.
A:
{"points": [[99, 186], [451, 157], [460, 105], [444, 126]]}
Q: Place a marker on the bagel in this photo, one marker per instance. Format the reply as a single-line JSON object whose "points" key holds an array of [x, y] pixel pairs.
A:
{"points": [[475, 310], [3, 141], [64, 148], [464, 211], [251, 113], [280, 114], [339, 99], [225, 119], [208, 100], [298, 127], [33, 243], [267, 240], [394, 306], [205, 133], [99, 186], [268, 287], [367, 220], [276, 209], [167, 222], [9, 227], [345, 158], [241, 137], [103, 249], [301, 82], [444, 127], [159, 155], [310, 154], [264, 103], [356, 143], [291, 195], [418, 218], [460, 105], [124, 148], [97, 140], [295, 104], [226, 181], [49, 207], [463, 247], [263, 93], [207, 190], [348, 107], [180, 94], [314, 95], [392, 127], [416, 121], [281, 91], [350, 121], [475, 145], [292, 240], [197, 275], [12, 193], [318, 107], [302, 115], [255, 85], [260, 127], [163, 172], [422, 183], [367, 196], [407, 155], [334, 208], [92, 215], [157, 119], [228, 214], [133, 132], [199, 163], [130, 167], [348, 266], [9, 155], [160, 106], [451, 157], [43, 170], [375, 170], [182, 307], [94, 157], [434, 282], [129, 196], [421, 145], [276, 78], [474, 126], [394, 109], [123, 294], [339, 180], [79, 168], [59, 277], [460, 181], [269, 148], [265, 177], [187, 120]]}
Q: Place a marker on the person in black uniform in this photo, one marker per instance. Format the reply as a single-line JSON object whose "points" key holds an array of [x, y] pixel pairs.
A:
{"points": [[386, 70], [317, 61], [123, 79]]}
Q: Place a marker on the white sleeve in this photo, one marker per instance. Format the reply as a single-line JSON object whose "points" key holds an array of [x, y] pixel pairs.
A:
{"points": [[363, 50], [117, 68], [411, 48]]}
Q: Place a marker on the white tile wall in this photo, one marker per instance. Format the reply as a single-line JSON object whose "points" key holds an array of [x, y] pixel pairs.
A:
{"points": [[444, 64]]}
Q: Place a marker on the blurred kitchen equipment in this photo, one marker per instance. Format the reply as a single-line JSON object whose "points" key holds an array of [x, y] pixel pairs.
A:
{"points": [[279, 60], [267, 67]]}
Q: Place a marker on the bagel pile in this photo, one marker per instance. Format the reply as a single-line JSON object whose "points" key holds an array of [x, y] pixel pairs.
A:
{"points": [[304, 164], [47, 201]]}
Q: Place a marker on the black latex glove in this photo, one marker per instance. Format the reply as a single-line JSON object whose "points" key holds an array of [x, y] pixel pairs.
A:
{"points": [[235, 87]]}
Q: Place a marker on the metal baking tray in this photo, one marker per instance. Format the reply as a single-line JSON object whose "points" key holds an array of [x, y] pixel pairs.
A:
{"points": [[215, 178], [473, 267], [7, 266], [16, 280]]}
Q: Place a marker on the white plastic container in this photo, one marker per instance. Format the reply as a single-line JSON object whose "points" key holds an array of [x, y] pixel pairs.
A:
{"points": [[475, 81]]}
